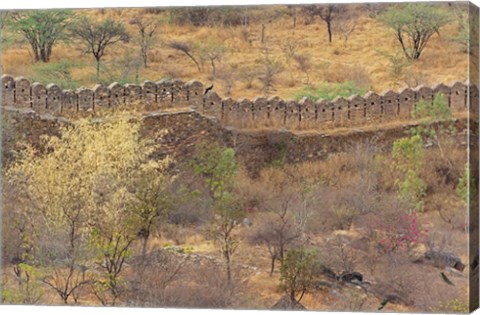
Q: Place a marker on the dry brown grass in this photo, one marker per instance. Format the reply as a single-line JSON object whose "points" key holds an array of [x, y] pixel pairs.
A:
{"points": [[441, 61]]}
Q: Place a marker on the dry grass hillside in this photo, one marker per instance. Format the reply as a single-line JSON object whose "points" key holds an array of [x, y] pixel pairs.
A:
{"points": [[118, 212], [371, 57]]}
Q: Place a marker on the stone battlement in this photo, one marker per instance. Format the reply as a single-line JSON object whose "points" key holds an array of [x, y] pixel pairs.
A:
{"points": [[260, 112]]}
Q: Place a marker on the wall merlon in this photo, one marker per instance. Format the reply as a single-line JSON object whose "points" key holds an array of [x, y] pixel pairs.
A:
{"points": [[212, 104], [458, 96], [357, 109], [8, 90], [117, 94], [39, 97], [54, 98], [22, 92], [390, 105], [149, 93], [101, 96], [84, 99], [69, 101]]}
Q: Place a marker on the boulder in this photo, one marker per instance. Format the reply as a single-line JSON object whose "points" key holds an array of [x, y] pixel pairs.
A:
{"points": [[286, 303]]}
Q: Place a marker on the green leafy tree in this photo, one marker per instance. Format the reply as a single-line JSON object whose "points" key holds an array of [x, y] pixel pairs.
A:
{"points": [[218, 167], [435, 120], [152, 199], [42, 29], [297, 272], [414, 24], [28, 289], [408, 161], [466, 186], [97, 36]]}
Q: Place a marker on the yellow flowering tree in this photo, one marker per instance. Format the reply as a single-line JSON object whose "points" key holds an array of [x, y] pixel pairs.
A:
{"points": [[82, 196]]}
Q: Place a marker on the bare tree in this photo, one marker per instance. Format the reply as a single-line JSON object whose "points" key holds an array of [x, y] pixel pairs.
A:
{"points": [[155, 273], [292, 11], [340, 255], [289, 48], [146, 29], [248, 74], [98, 36], [304, 64], [277, 231], [282, 224], [326, 12], [227, 74], [212, 52], [344, 28], [185, 48], [269, 69]]}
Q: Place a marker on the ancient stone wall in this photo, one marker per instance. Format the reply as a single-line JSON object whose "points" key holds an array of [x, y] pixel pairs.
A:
{"points": [[254, 149], [260, 112], [151, 96]]}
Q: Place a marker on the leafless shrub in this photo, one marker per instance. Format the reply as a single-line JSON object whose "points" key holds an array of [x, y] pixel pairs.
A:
{"points": [[341, 257], [203, 285], [227, 75], [248, 74], [304, 64], [289, 48], [374, 9], [153, 274], [277, 231], [396, 278], [344, 27], [414, 78]]}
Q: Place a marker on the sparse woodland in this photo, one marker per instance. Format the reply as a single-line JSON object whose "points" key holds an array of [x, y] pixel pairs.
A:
{"points": [[96, 213], [244, 51]]}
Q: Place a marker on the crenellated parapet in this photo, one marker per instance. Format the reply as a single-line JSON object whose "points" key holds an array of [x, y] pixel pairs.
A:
{"points": [[356, 110], [50, 98]]}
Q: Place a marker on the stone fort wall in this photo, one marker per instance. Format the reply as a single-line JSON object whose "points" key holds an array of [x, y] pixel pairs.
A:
{"points": [[259, 112]]}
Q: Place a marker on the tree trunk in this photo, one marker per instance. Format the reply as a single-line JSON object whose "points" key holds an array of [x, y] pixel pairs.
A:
{"points": [[144, 246], [294, 13], [262, 38], [194, 60], [144, 57], [292, 296], [35, 53], [272, 267], [213, 67], [98, 68], [329, 29], [229, 271]]}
